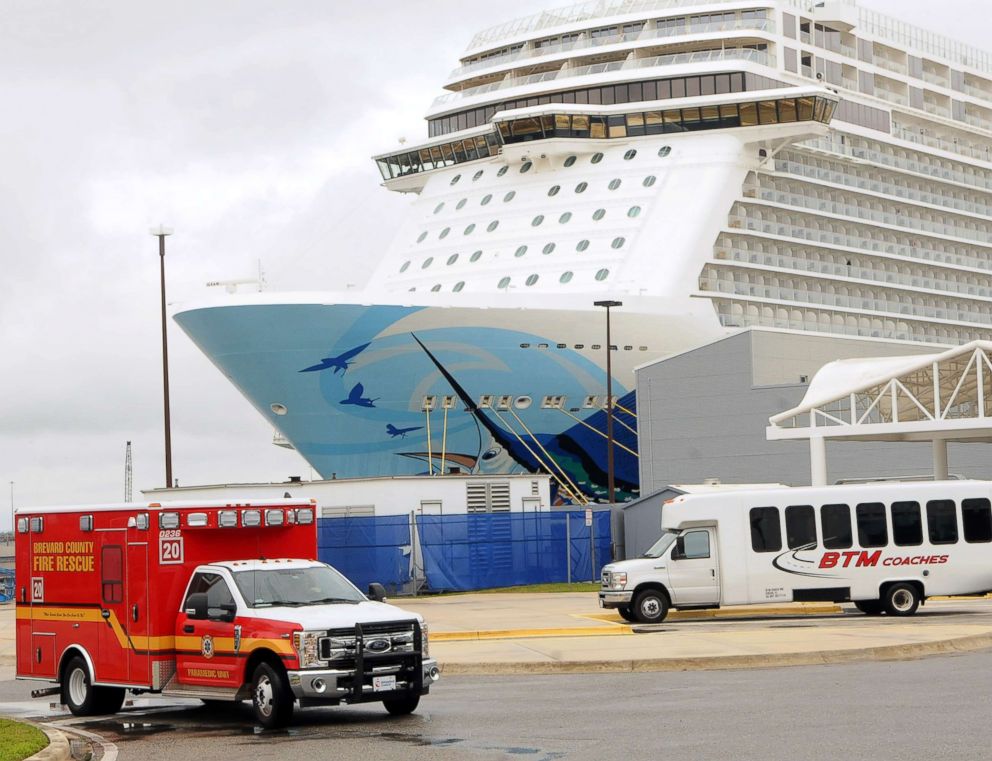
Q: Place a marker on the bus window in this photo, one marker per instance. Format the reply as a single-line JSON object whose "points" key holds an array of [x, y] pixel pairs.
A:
{"points": [[766, 531], [835, 520], [907, 525], [800, 527], [872, 531], [942, 521], [976, 518]]}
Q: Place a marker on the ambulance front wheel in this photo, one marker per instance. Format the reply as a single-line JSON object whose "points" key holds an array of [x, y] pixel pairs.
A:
{"points": [[402, 706], [271, 698]]}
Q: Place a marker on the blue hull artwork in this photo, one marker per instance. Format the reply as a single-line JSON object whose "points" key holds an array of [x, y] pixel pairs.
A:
{"points": [[359, 394]]}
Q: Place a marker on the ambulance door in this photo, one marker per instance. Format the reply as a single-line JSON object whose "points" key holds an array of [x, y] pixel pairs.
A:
{"points": [[207, 639], [112, 664], [694, 570], [136, 596]]}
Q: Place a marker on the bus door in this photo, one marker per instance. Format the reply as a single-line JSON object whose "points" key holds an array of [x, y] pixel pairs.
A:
{"points": [[694, 571], [137, 626], [113, 663]]}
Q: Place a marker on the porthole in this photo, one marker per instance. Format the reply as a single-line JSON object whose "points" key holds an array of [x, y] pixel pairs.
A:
{"points": [[582, 245], [436, 288], [420, 238], [455, 179], [602, 274], [569, 161], [502, 170], [452, 259], [523, 402], [405, 267], [580, 188], [469, 229], [461, 204], [633, 211], [521, 250], [565, 217], [599, 214], [279, 409], [531, 279], [475, 256], [509, 196], [427, 262], [536, 221], [486, 199], [504, 282], [439, 207], [614, 183], [565, 277], [629, 154], [458, 286], [444, 233], [553, 190], [492, 225], [596, 158], [618, 242], [664, 151], [649, 180], [525, 167], [477, 175], [549, 248]]}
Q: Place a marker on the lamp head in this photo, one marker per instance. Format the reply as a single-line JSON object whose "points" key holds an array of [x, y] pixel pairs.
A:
{"points": [[607, 304]]}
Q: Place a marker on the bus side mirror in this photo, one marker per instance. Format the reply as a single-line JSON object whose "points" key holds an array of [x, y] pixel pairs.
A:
{"points": [[678, 552], [196, 606], [377, 592]]}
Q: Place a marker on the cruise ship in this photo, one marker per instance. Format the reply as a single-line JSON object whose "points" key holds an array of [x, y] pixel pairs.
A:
{"points": [[710, 165]]}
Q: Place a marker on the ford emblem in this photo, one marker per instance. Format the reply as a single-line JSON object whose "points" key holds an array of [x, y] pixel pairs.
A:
{"points": [[378, 645]]}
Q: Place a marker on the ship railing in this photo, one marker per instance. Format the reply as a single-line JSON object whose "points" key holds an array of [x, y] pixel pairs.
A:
{"points": [[744, 54], [952, 146], [917, 333], [584, 43]]}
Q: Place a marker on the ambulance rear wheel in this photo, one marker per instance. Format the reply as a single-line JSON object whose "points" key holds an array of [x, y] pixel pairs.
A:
{"points": [[402, 706], [901, 599], [271, 697], [626, 614], [109, 699], [77, 690], [650, 607]]}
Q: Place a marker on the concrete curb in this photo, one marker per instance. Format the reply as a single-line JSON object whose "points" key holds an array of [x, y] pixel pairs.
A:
{"points": [[966, 644], [57, 748]]}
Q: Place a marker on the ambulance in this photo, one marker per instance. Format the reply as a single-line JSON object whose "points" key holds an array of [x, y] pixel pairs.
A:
{"points": [[885, 547], [208, 600]]}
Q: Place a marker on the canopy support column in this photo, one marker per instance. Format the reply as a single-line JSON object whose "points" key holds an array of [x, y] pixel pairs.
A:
{"points": [[940, 459], [817, 461]]}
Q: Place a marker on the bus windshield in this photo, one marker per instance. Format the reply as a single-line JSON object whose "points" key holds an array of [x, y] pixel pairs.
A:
{"points": [[659, 547], [294, 587]]}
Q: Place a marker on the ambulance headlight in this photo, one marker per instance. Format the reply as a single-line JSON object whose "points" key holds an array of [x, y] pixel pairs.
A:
{"points": [[425, 649], [307, 646]]}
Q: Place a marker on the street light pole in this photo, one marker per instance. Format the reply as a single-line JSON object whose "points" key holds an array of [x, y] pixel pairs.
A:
{"points": [[611, 494], [161, 232]]}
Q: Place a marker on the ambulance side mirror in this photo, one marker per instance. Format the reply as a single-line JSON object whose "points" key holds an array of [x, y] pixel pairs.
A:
{"points": [[196, 606], [377, 592]]}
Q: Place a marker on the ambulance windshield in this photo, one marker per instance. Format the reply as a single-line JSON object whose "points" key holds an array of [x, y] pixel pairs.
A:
{"points": [[659, 547], [295, 587]]}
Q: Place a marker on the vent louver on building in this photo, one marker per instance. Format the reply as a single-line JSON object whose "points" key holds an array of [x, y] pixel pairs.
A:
{"points": [[488, 496], [347, 511]]}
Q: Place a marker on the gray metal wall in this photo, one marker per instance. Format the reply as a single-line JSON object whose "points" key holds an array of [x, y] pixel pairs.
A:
{"points": [[702, 414]]}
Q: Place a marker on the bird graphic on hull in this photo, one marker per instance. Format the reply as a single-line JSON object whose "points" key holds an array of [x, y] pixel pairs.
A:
{"points": [[338, 363], [393, 431], [357, 397]]}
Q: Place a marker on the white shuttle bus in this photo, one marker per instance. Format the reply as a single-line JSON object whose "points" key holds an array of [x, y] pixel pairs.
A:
{"points": [[886, 547]]}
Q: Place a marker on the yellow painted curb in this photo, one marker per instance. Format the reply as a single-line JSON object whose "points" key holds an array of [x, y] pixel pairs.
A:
{"points": [[572, 631]]}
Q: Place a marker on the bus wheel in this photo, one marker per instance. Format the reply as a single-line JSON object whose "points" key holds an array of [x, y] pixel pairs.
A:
{"points": [[901, 600], [869, 607], [271, 698], [626, 614], [77, 692], [650, 607]]}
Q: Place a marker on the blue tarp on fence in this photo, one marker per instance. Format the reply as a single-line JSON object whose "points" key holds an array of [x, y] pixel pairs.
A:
{"points": [[465, 552], [6, 584]]}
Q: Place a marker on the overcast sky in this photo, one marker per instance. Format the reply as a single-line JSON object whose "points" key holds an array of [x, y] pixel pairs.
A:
{"points": [[245, 125]]}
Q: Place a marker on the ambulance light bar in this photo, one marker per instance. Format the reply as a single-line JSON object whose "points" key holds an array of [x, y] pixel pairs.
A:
{"points": [[168, 520], [22, 525], [196, 519], [227, 518], [251, 518], [274, 518], [304, 516]]}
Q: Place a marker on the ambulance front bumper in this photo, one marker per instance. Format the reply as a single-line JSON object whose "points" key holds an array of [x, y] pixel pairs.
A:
{"points": [[342, 684]]}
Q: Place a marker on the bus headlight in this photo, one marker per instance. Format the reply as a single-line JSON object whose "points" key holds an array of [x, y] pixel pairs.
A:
{"points": [[618, 580], [307, 648]]}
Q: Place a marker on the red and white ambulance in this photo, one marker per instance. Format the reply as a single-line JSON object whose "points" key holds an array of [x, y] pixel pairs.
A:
{"points": [[198, 600]]}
